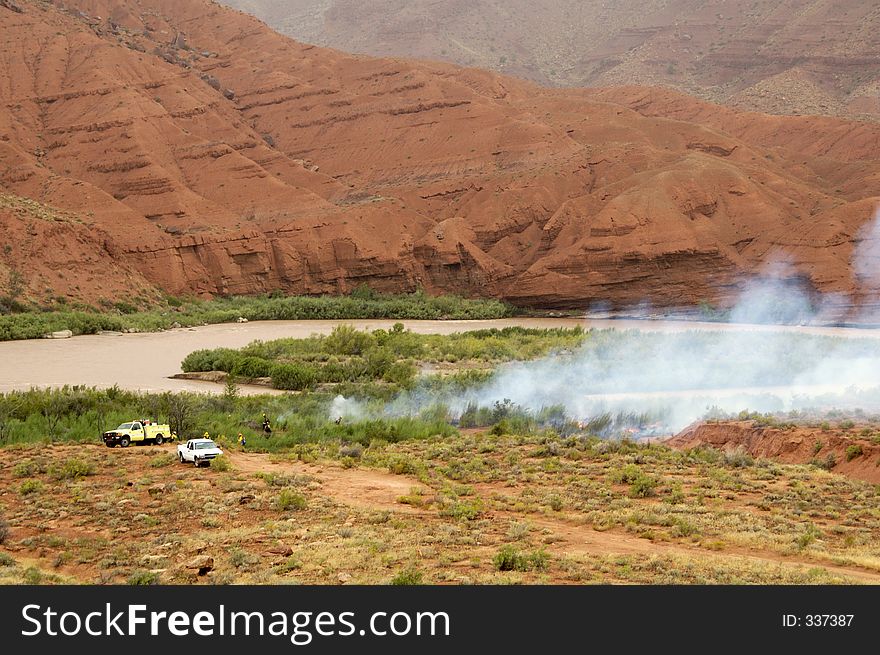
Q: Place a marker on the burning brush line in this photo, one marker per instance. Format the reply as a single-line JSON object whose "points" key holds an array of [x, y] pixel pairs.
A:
{"points": [[659, 382]]}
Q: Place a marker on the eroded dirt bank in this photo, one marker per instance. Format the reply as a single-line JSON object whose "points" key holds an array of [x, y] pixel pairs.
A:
{"points": [[851, 451]]}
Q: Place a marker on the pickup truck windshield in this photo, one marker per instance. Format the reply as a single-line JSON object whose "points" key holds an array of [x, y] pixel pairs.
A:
{"points": [[204, 444], [124, 426]]}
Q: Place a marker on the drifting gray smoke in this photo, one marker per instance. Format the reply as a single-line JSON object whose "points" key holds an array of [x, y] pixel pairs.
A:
{"points": [[866, 258], [866, 268], [680, 375], [347, 408]]}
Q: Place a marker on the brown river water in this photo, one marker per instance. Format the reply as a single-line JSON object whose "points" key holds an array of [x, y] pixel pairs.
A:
{"points": [[146, 361]]}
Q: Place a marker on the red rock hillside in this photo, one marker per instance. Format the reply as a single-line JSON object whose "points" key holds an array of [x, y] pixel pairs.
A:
{"points": [[213, 155], [854, 452]]}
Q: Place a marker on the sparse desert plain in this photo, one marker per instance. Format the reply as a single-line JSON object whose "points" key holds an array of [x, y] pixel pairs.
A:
{"points": [[477, 508]]}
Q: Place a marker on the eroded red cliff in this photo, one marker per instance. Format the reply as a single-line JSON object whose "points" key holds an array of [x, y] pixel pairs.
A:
{"points": [[220, 157]]}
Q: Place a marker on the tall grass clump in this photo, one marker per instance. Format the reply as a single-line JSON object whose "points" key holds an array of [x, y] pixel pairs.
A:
{"points": [[510, 559]]}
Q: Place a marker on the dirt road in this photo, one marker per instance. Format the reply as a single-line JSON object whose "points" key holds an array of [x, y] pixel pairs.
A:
{"points": [[356, 487]]}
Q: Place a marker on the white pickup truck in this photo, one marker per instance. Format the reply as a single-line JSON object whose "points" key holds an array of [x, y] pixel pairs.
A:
{"points": [[198, 451]]}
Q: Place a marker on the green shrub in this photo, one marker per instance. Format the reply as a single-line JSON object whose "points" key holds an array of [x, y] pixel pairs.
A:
{"points": [[25, 469], [30, 486], [198, 361], [352, 451], [4, 530], [221, 464], [468, 510], [33, 576], [676, 494], [828, 463], [407, 577], [159, 461], [499, 429], [252, 367], [683, 528], [143, 578], [348, 340], [279, 480], [810, 534], [242, 559], [626, 475], [293, 377], [853, 451], [400, 373], [71, 469], [738, 458], [288, 565], [6, 559], [510, 559], [289, 499], [402, 465], [643, 486]]}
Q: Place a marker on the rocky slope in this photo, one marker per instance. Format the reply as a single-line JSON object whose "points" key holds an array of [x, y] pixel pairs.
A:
{"points": [[218, 156], [51, 254], [793, 56]]}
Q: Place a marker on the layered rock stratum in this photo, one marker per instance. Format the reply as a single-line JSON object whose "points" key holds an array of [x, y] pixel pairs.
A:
{"points": [[194, 150]]}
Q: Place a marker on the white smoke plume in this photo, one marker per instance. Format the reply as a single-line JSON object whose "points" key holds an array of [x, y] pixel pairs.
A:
{"points": [[866, 257], [765, 363], [866, 269], [349, 409], [778, 295], [677, 376], [680, 376]]}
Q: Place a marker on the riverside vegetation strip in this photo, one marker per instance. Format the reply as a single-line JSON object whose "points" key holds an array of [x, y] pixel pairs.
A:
{"points": [[20, 321], [753, 359], [392, 356]]}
